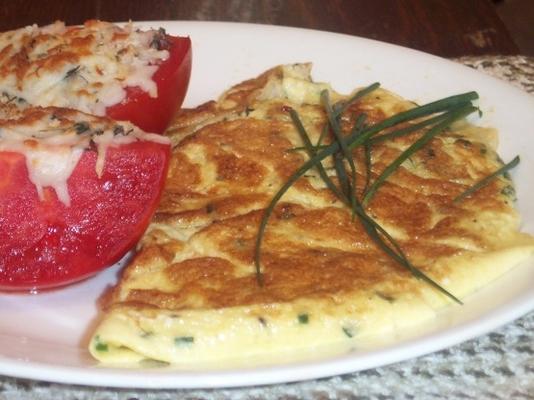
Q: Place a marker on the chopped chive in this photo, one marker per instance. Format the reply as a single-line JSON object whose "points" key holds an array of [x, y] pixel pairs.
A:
{"points": [[485, 181], [508, 191], [81, 127], [373, 229], [118, 130], [184, 340], [303, 318], [160, 40], [417, 145], [348, 331], [99, 345]]}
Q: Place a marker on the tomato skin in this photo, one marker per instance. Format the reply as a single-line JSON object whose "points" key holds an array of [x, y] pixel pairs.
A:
{"points": [[46, 244], [153, 114]]}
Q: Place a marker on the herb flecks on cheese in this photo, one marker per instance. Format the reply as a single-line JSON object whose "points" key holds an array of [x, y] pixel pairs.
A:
{"points": [[54, 139], [85, 67]]}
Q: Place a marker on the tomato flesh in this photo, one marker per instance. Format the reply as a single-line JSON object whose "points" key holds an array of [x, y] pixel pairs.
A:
{"points": [[153, 114], [45, 243]]}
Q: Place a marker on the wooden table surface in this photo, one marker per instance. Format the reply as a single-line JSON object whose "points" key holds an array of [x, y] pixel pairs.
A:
{"points": [[448, 28]]}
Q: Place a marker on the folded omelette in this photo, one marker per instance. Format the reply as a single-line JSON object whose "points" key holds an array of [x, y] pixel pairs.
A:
{"points": [[191, 295]]}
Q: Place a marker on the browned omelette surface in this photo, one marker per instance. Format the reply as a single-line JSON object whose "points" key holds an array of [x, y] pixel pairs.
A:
{"points": [[231, 156]]}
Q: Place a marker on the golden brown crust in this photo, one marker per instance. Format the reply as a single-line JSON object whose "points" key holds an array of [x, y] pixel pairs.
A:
{"points": [[229, 159]]}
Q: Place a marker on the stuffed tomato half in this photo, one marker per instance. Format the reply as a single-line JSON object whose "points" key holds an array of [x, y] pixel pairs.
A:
{"points": [[98, 68], [76, 193]]}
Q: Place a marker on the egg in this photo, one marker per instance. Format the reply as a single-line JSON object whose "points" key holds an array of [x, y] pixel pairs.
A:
{"points": [[192, 294]]}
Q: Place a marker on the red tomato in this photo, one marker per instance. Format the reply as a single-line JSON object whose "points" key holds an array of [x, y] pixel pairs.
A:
{"points": [[153, 114], [44, 243]]}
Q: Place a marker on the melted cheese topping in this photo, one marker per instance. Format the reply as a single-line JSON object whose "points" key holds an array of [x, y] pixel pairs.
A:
{"points": [[86, 68], [53, 141]]}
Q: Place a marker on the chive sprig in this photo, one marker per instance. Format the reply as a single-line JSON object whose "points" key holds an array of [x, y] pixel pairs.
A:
{"points": [[487, 180], [436, 117]]}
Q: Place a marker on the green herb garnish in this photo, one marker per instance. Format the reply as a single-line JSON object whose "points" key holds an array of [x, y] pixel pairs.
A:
{"points": [[508, 191], [72, 72], [451, 109], [357, 96], [100, 346], [348, 331], [118, 130], [368, 166], [81, 127], [348, 187], [160, 40], [485, 181], [184, 340], [452, 116], [303, 318]]}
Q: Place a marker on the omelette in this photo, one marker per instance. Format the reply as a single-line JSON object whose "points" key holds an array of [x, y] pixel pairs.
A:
{"points": [[201, 290]]}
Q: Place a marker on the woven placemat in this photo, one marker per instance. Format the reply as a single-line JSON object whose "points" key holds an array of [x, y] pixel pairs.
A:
{"points": [[499, 365]]}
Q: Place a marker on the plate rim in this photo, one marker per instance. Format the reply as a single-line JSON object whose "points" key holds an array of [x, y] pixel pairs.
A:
{"points": [[239, 377]]}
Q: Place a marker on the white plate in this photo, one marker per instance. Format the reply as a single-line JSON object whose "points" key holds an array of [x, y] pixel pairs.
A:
{"points": [[45, 336]]}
